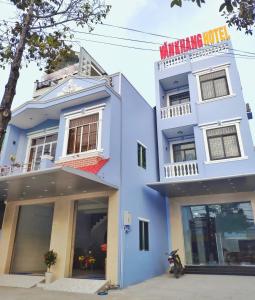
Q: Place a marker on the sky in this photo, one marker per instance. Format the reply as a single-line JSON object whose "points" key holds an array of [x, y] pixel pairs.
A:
{"points": [[154, 16]]}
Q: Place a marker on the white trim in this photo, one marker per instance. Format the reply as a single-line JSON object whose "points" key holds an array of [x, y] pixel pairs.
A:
{"points": [[238, 132], [143, 219], [40, 132], [216, 99], [235, 120], [176, 92], [208, 71], [138, 142], [76, 156], [36, 134], [189, 140], [225, 160], [82, 113], [211, 69]]}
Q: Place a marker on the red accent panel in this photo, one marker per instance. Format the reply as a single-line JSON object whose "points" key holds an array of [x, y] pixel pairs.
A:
{"points": [[90, 164], [94, 168]]}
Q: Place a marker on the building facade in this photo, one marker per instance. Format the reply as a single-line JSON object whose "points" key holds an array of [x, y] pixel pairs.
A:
{"points": [[90, 170], [206, 158], [74, 169]]}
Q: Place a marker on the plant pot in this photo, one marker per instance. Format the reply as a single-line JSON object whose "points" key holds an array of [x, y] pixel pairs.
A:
{"points": [[48, 277]]}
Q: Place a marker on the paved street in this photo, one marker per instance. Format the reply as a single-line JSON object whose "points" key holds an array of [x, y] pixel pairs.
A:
{"points": [[189, 287]]}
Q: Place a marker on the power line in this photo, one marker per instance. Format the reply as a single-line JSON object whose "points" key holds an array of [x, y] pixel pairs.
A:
{"points": [[237, 55], [159, 35], [117, 37], [147, 42]]}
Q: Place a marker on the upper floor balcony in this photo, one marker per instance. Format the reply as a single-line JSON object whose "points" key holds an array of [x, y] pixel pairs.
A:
{"points": [[183, 160], [177, 104], [193, 56]]}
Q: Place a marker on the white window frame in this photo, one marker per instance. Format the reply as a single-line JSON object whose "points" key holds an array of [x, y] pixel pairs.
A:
{"points": [[37, 134], [208, 71], [140, 143], [171, 144], [221, 125], [78, 114], [182, 90]]}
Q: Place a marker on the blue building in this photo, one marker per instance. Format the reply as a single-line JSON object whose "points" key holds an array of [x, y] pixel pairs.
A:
{"points": [[74, 166], [206, 159], [83, 175]]}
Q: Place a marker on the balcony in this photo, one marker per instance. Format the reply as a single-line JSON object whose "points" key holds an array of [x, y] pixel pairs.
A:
{"points": [[175, 110], [193, 56], [181, 169], [14, 169]]}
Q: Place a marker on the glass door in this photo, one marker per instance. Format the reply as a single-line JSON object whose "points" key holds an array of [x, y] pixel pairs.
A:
{"points": [[90, 240], [219, 234]]}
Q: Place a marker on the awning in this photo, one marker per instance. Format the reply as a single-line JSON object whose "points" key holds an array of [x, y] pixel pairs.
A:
{"points": [[53, 182], [195, 187]]}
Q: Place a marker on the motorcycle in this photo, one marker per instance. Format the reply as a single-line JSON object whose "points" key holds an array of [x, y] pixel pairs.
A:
{"points": [[175, 264]]}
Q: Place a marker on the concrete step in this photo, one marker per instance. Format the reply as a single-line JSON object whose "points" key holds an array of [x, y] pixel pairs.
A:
{"points": [[73, 285], [221, 270], [20, 281]]}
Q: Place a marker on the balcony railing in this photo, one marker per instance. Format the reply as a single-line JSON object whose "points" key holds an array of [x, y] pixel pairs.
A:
{"points": [[175, 110], [193, 55], [182, 169], [14, 169]]}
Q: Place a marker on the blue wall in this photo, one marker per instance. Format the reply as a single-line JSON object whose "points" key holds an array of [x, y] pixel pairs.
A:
{"points": [[141, 201], [229, 108]]}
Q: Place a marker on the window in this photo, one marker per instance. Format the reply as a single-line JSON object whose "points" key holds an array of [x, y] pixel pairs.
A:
{"points": [[184, 152], [179, 98], [223, 143], [141, 155], [143, 235], [214, 85], [42, 145], [83, 134]]}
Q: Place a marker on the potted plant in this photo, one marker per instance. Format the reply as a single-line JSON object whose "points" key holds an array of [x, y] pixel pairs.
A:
{"points": [[50, 259]]}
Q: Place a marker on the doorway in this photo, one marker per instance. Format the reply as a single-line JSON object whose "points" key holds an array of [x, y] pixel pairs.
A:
{"points": [[219, 234], [32, 239], [90, 239]]}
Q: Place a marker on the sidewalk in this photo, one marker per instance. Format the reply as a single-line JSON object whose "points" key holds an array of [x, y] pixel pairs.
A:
{"points": [[189, 287]]}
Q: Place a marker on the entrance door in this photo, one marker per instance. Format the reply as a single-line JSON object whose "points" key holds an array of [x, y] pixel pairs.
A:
{"points": [[32, 239], [219, 234], [89, 259]]}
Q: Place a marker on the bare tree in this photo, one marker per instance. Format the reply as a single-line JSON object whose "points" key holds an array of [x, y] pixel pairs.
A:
{"points": [[41, 33]]}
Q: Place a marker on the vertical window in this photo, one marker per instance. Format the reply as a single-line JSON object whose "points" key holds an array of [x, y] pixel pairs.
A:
{"points": [[179, 98], [44, 145], [184, 152], [83, 134], [143, 235], [141, 155], [214, 85], [223, 143]]}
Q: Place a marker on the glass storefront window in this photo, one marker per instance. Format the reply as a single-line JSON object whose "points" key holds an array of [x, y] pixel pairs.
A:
{"points": [[219, 234]]}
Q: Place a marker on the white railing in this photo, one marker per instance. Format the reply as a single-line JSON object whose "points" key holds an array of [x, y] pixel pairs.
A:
{"points": [[188, 168], [193, 55], [175, 110], [14, 169]]}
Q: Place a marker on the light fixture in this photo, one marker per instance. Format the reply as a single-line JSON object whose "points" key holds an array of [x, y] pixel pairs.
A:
{"points": [[28, 186], [45, 190]]}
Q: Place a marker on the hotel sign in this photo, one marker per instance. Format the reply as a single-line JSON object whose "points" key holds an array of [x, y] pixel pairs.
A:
{"points": [[200, 40]]}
